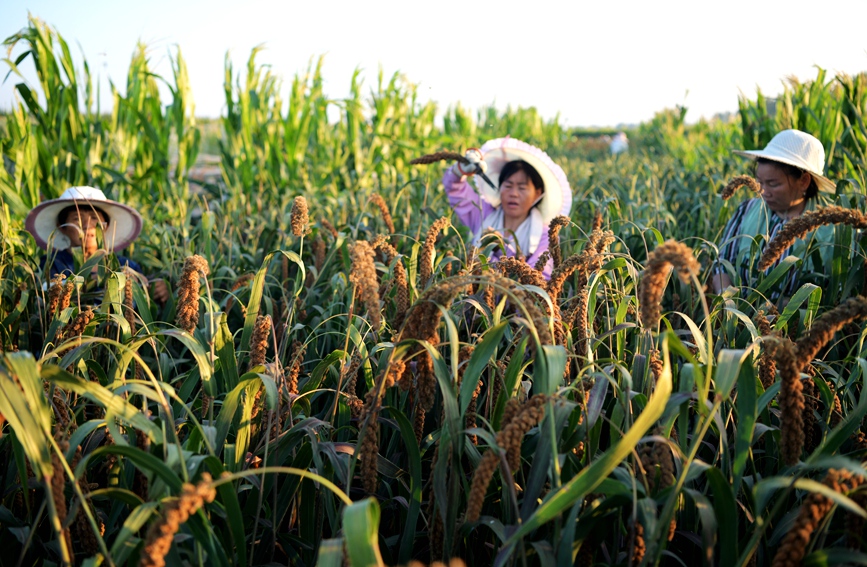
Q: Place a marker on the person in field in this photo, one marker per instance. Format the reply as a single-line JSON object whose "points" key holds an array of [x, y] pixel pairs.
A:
{"points": [[80, 218], [789, 171], [530, 191]]}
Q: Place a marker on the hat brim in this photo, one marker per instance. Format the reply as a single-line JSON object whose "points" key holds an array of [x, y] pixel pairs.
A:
{"points": [[124, 223], [557, 199], [823, 183]]}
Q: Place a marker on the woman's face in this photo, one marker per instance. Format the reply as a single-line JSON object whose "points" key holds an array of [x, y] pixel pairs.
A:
{"points": [[80, 226], [517, 195], [781, 192]]}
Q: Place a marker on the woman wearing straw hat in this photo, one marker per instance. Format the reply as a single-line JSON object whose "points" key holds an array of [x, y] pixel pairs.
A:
{"points": [[75, 220], [528, 191], [789, 171]]}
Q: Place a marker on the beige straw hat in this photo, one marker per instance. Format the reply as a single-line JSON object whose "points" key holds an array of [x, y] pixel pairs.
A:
{"points": [[799, 149], [124, 222]]}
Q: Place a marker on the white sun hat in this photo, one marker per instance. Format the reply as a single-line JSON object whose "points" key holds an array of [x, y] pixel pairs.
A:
{"points": [[557, 199], [799, 149], [124, 222]]}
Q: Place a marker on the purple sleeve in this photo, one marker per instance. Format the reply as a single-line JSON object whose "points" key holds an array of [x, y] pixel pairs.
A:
{"points": [[543, 247], [469, 207]]}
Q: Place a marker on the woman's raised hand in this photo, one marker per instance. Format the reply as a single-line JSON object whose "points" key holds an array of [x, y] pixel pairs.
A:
{"points": [[476, 163]]}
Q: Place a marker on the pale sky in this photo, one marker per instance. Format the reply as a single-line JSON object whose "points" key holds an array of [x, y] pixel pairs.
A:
{"points": [[596, 63]]}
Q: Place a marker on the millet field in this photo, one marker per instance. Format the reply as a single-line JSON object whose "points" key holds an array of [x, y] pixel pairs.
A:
{"points": [[341, 378]]}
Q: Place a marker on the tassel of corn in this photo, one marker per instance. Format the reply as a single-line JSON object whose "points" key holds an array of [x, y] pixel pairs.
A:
{"points": [[318, 248], [128, 309], [161, 533], [66, 296]]}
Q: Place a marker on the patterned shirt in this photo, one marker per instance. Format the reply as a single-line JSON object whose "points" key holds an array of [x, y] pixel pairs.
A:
{"points": [[754, 225]]}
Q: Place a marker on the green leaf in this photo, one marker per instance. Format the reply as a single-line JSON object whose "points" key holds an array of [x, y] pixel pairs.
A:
{"points": [[589, 478], [112, 403], [234, 517], [361, 528], [729, 363], [330, 553], [747, 413], [478, 361], [725, 509]]}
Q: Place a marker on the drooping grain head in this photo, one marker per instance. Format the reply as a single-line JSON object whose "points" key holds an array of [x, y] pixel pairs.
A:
{"points": [[521, 271], [825, 326], [76, 327], [259, 340], [377, 200], [66, 297], [363, 276], [738, 182], [128, 308], [800, 226], [401, 283], [298, 351], [54, 293], [318, 249], [554, 238], [162, 532], [811, 515], [670, 254], [428, 251], [329, 227], [188, 292], [299, 216], [597, 220], [509, 440], [791, 398], [438, 156], [367, 454]]}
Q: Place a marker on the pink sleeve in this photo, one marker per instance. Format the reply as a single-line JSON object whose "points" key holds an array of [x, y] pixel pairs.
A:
{"points": [[468, 206]]}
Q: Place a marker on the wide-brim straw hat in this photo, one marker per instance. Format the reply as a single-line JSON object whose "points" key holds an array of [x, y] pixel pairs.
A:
{"points": [[557, 199], [799, 149], [124, 222]]}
